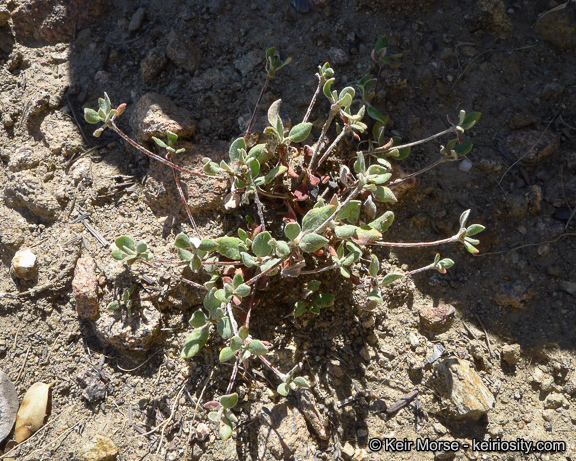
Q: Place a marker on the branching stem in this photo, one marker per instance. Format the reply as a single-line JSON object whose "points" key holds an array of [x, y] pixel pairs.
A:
{"points": [[142, 149], [189, 282], [452, 129]]}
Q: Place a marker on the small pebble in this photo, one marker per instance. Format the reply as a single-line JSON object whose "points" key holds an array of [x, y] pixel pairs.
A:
{"points": [[24, 265], [465, 166]]}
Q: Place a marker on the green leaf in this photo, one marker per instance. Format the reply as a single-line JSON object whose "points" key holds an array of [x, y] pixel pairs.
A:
{"points": [[268, 264], [384, 194], [256, 347], [260, 245], [242, 234], [195, 263], [118, 254], [234, 151], [313, 285], [185, 255], [381, 43], [172, 138], [182, 241], [403, 153], [282, 248], [314, 309], [345, 232], [470, 120], [446, 263], [229, 401], [141, 247], [300, 132], [260, 153], [360, 164], [299, 308], [351, 258], [104, 104], [229, 247], [366, 234], [376, 115], [225, 328], [208, 245], [245, 355], [195, 341], [472, 241], [198, 319], [316, 217], [243, 333], [463, 148], [470, 248], [292, 230], [159, 142], [237, 280], [390, 278], [327, 87], [474, 229], [247, 259], [211, 168], [374, 267], [113, 306], [273, 173], [301, 382], [236, 343], [225, 429], [254, 167], [226, 354], [211, 303], [463, 219], [91, 116], [283, 389], [350, 212], [274, 112], [124, 243], [243, 290], [345, 272], [383, 222], [323, 300], [312, 242]]}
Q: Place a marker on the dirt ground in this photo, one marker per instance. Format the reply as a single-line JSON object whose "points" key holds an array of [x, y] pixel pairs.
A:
{"points": [[515, 302]]}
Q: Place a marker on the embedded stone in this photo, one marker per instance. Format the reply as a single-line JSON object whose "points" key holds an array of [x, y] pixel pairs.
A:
{"points": [[154, 114], [100, 448], [469, 395], [85, 288]]}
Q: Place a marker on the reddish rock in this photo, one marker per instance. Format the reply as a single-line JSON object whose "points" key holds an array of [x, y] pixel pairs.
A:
{"points": [[53, 21], [155, 114], [201, 193], [85, 288], [436, 317]]}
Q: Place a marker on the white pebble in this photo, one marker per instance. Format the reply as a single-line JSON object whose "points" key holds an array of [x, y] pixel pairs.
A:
{"points": [[465, 165], [24, 264]]}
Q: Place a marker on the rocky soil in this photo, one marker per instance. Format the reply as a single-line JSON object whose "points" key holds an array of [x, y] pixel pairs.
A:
{"points": [[490, 346]]}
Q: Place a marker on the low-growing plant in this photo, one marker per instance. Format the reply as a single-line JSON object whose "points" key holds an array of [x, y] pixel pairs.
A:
{"points": [[330, 220]]}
